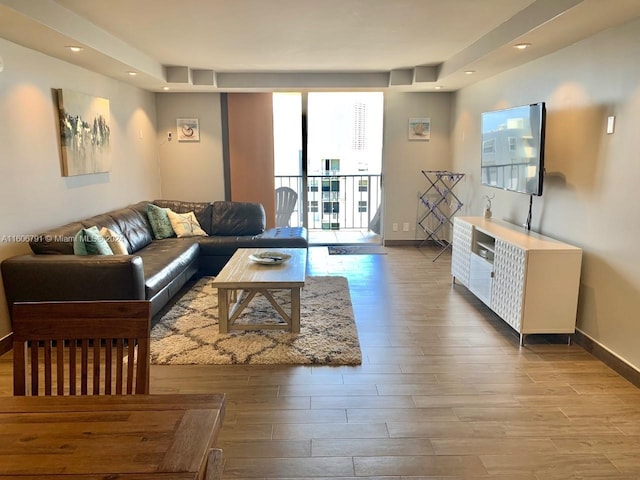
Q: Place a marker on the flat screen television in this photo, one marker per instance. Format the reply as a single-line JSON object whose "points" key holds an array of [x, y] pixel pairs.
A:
{"points": [[513, 148]]}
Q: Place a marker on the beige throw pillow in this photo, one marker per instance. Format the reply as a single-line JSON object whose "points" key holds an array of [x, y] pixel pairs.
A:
{"points": [[185, 224], [115, 241]]}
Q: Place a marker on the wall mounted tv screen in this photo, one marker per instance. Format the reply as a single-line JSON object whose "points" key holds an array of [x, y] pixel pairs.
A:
{"points": [[513, 148]]}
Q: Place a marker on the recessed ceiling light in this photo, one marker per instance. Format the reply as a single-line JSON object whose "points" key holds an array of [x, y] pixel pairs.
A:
{"points": [[522, 46], [133, 74], [469, 72], [74, 48], [438, 87], [166, 88]]}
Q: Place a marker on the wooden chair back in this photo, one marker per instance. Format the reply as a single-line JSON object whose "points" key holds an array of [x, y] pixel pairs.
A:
{"points": [[81, 348]]}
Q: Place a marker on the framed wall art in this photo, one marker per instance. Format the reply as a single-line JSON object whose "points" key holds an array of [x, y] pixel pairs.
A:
{"points": [[188, 130], [84, 133], [420, 128]]}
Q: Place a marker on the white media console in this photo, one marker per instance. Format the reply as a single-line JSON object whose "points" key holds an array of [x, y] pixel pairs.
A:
{"points": [[529, 280]]}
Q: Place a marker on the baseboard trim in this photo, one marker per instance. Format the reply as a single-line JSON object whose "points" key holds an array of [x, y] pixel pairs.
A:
{"points": [[607, 357], [409, 243], [6, 343]]}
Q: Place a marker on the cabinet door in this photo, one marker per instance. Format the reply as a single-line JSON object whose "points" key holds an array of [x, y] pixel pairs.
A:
{"points": [[508, 283], [461, 251], [480, 280]]}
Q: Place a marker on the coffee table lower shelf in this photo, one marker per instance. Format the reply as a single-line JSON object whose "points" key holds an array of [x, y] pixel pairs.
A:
{"points": [[231, 305]]}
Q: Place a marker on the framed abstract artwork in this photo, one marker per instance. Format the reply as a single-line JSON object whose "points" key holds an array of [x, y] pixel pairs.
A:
{"points": [[188, 130], [84, 133]]}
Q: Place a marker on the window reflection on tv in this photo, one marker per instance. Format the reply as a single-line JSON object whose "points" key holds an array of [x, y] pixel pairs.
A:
{"points": [[512, 155]]}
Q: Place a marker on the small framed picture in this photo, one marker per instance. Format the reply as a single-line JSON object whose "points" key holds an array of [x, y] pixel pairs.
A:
{"points": [[188, 130], [420, 128]]}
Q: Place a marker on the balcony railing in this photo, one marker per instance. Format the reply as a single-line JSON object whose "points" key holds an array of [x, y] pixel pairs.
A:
{"points": [[335, 202]]}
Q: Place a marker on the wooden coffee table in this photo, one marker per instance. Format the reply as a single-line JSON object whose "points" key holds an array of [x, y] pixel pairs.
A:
{"points": [[242, 274], [166, 436]]}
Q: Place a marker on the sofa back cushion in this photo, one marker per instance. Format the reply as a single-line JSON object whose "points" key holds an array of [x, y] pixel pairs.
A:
{"points": [[237, 218], [130, 224], [133, 224], [57, 241]]}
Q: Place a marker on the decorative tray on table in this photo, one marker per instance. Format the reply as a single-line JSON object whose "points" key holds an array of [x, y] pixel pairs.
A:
{"points": [[270, 258]]}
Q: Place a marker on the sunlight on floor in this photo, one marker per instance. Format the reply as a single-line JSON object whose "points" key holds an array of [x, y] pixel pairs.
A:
{"points": [[343, 237]]}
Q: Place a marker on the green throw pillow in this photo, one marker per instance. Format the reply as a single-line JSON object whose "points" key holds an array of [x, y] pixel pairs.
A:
{"points": [[160, 223], [88, 241], [79, 247]]}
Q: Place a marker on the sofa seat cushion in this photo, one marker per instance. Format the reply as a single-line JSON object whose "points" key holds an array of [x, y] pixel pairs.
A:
{"points": [[165, 259]]}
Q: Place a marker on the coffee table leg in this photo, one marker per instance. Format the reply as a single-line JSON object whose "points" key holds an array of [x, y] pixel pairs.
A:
{"points": [[295, 310], [223, 310]]}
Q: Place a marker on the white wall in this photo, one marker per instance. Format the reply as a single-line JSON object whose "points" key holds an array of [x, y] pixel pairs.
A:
{"points": [[403, 160], [190, 171], [591, 196], [33, 194]]}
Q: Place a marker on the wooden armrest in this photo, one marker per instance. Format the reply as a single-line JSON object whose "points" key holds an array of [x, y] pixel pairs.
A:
{"points": [[214, 465]]}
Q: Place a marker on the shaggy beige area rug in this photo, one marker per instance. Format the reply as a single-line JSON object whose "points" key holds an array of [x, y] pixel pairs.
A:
{"points": [[187, 332]]}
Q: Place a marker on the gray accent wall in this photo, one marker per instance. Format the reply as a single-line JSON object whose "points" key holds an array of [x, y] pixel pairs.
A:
{"points": [[404, 159], [191, 171], [591, 197]]}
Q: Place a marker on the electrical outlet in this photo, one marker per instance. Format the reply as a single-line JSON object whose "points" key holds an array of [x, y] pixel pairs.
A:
{"points": [[405, 227], [394, 227]]}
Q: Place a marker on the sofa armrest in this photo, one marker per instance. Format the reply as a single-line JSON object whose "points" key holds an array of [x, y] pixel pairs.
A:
{"points": [[72, 277]]}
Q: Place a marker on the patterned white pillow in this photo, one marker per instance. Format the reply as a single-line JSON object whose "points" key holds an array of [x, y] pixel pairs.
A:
{"points": [[115, 241], [185, 224]]}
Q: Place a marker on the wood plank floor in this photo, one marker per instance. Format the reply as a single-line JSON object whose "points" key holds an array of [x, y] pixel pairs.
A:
{"points": [[444, 392]]}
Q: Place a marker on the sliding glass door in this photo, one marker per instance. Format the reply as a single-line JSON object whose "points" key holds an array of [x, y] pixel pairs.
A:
{"points": [[328, 148]]}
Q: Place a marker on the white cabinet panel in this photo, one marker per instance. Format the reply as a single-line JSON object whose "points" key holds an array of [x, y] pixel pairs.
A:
{"points": [[460, 252], [480, 282], [508, 290]]}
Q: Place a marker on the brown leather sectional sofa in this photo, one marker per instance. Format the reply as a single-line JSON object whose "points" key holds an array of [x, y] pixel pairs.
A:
{"points": [[154, 270]]}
